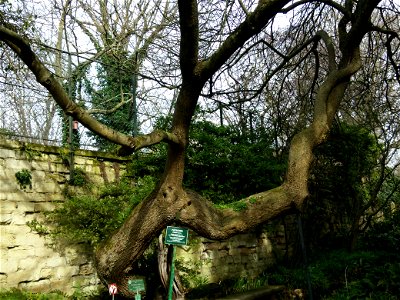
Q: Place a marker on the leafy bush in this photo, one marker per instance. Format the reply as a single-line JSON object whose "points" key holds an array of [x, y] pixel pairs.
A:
{"points": [[15, 294], [24, 178], [385, 234], [91, 218], [344, 275], [78, 178]]}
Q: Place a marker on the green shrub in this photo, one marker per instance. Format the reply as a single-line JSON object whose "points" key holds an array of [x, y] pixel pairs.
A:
{"points": [[90, 218], [15, 294], [344, 275], [24, 178], [78, 178], [384, 235]]}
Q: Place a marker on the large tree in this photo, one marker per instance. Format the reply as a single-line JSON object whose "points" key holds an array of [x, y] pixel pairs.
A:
{"points": [[217, 42]]}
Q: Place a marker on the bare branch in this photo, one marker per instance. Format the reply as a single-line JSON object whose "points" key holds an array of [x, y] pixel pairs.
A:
{"points": [[333, 4], [21, 47], [243, 7], [253, 24]]}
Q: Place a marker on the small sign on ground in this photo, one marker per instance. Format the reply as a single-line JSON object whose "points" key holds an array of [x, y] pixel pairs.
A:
{"points": [[136, 285]]}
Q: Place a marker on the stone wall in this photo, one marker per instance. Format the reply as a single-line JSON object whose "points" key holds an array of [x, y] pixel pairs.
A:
{"points": [[28, 260], [244, 255]]}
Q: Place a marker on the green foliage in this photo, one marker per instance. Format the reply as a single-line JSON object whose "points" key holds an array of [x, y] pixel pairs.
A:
{"points": [[244, 284], [236, 206], [15, 294], [24, 178], [38, 227], [358, 275], [90, 218], [6, 133], [384, 235], [78, 178], [222, 165], [29, 152], [190, 273], [115, 74], [342, 180], [226, 165]]}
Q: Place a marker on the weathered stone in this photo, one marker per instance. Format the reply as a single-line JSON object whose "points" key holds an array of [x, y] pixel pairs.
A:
{"points": [[55, 261], [8, 266], [18, 164], [86, 269], [6, 219], [20, 252], [46, 186], [3, 279], [30, 239], [7, 153]]}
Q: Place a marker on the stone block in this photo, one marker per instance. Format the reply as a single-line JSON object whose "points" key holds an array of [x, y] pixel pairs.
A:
{"points": [[46, 186], [247, 251], [17, 164], [30, 239], [55, 261], [29, 263], [213, 246], [44, 251], [80, 161], [204, 256], [39, 166], [15, 278], [234, 251], [39, 175], [17, 229], [21, 252], [46, 273], [65, 272], [24, 207], [3, 280], [223, 253], [8, 266], [58, 178], [9, 185], [60, 168], [74, 257], [86, 269], [47, 197], [6, 219], [38, 286], [13, 193], [7, 153], [237, 259], [44, 206], [8, 240], [19, 219]]}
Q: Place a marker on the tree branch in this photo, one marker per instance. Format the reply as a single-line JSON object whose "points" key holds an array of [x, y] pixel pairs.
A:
{"points": [[253, 24], [216, 223], [21, 47], [189, 45]]}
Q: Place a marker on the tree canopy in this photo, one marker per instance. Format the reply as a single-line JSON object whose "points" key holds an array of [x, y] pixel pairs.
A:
{"points": [[286, 67]]}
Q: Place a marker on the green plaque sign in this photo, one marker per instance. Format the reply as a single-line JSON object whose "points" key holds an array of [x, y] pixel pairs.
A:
{"points": [[136, 285], [176, 235]]}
